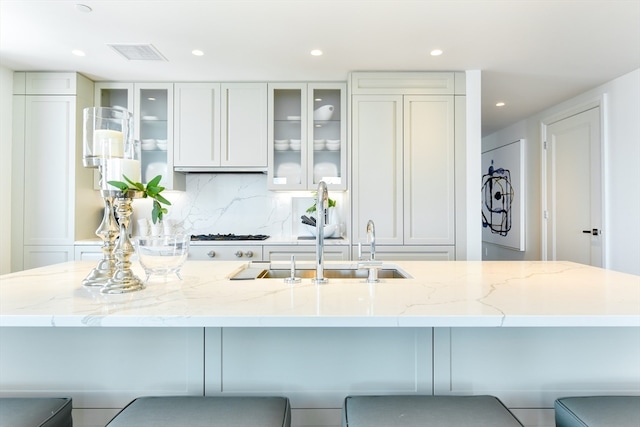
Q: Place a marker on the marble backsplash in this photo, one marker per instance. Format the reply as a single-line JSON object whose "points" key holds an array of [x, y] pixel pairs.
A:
{"points": [[238, 203]]}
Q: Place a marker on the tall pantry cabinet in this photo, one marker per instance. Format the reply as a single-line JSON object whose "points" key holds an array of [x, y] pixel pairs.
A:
{"points": [[53, 201], [404, 132]]}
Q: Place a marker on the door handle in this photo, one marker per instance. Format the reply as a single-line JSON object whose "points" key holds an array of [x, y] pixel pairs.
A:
{"points": [[594, 231]]}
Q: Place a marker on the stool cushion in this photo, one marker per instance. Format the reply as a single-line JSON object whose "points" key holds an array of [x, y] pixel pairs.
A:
{"points": [[209, 411], [423, 411], [598, 411], [35, 412]]}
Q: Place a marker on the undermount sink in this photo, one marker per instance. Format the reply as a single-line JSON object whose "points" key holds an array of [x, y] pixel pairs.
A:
{"points": [[265, 270]]}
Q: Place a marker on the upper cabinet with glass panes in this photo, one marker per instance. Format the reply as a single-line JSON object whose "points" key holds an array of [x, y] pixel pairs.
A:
{"points": [[152, 107], [307, 136]]}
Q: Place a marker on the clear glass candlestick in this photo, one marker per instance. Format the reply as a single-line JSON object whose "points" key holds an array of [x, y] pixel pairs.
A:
{"points": [[123, 280]]}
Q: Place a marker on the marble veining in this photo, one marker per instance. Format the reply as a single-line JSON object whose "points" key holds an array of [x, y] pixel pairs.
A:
{"points": [[236, 203], [440, 294]]}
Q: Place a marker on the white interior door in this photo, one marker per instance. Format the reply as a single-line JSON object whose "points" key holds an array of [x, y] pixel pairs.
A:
{"points": [[574, 189]]}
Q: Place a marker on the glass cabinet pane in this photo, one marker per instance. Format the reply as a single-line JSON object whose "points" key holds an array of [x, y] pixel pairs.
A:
{"points": [[328, 146], [115, 98], [153, 132], [289, 140]]}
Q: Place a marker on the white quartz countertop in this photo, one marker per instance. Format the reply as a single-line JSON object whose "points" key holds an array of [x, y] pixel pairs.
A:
{"points": [[440, 294]]}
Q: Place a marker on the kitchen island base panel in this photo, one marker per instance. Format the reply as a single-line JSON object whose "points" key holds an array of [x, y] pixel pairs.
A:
{"points": [[103, 369]]}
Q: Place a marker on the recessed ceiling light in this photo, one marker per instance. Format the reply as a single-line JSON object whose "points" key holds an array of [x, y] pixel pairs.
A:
{"points": [[316, 52], [83, 8], [436, 52], [197, 52], [78, 52], [500, 104]]}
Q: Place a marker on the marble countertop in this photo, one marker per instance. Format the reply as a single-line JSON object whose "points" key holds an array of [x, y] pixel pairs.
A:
{"points": [[439, 294]]}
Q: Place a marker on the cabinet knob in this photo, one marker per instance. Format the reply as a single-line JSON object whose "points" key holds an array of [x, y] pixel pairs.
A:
{"points": [[249, 254], [239, 254], [211, 254]]}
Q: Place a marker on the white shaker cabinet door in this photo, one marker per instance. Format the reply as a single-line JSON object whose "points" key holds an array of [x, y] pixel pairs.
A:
{"points": [[197, 125], [377, 167], [429, 202], [49, 170], [244, 125]]}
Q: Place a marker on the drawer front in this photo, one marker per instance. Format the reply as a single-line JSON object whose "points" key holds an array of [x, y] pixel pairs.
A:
{"points": [[225, 252]]}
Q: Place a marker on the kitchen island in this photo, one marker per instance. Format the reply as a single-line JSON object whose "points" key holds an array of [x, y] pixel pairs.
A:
{"points": [[527, 332]]}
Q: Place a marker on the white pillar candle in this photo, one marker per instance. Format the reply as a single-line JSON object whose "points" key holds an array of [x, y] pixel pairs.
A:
{"points": [[108, 143], [117, 169]]}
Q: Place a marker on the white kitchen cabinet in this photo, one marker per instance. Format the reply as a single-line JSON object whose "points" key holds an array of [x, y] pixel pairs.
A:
{"points": [[305, 252], [407, 83], [403, 164], [197, 125], [152, 107], [405, 253], [307, 136], [85, 252], [220, 126], [53, 202], [224, 252], [41, 255]]}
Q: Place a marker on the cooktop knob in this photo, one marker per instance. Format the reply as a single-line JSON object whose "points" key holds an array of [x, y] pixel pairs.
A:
{"points": [[211, 254]]}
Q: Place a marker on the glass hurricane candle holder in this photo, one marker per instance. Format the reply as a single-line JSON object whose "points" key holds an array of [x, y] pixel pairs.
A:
{"points": [[106, 131], [108, 146]]}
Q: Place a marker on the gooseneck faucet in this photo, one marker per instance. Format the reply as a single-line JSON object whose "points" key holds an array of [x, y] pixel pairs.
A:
{"points": [[372, 265], [371, 237], [322, 205]]}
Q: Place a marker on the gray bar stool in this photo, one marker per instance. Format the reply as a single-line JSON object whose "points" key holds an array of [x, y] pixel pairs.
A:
{"points": [[201, 411], [598, 411], [426, 411], [35, 411]]}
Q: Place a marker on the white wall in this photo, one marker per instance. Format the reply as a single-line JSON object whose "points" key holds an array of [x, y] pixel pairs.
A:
{"points": [[621, 173], [6, 101]]}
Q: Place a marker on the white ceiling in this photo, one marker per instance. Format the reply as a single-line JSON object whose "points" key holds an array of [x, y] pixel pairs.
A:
{"points": [[533, 54]]}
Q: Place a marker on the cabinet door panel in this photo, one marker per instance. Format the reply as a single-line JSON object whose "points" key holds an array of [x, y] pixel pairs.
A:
{"points": [[305, 253], [429, 209], [197, 125], [405, 253], [244, 125], [318, 367], [377, 167], [49, 164], [40, 256]]}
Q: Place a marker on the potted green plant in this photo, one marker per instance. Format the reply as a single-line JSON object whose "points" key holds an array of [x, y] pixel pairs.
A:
{"points": [[152, 190], [312, 209]]}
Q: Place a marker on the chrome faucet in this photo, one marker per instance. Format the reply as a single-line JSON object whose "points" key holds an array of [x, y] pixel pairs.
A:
{"points": [[371, 237], [322, 205], [372, 265]]}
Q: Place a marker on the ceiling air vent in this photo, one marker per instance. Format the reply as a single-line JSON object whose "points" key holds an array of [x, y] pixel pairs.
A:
{"points": [[138, 52]]}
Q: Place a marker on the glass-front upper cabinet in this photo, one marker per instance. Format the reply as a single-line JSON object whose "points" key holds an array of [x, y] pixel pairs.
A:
{"points": [[152, 107], [307, 136], [327, 135]]}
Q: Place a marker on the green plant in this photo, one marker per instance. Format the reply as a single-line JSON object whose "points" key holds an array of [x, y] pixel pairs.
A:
{"points": [[152, 190], [312, 208]]}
